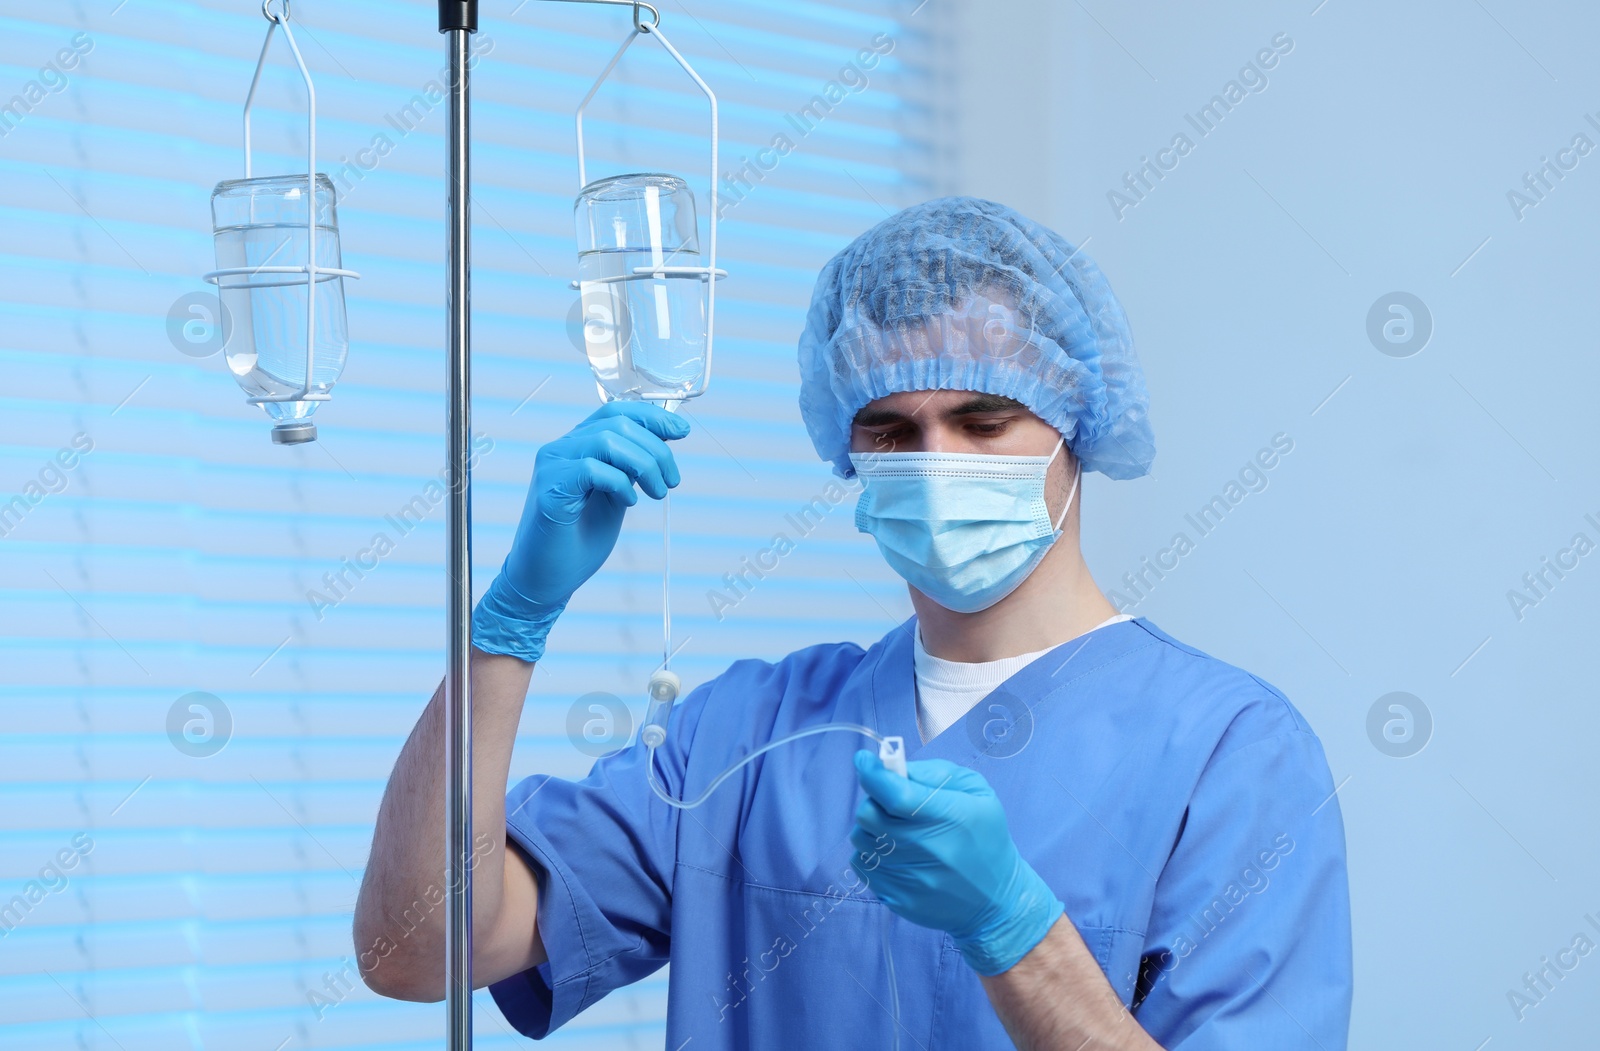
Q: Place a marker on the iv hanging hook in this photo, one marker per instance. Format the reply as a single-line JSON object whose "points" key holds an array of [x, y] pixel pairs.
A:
{"points": [[643, 27], [279, 19]]}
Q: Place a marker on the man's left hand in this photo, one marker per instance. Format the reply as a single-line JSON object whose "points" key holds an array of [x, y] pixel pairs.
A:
{"points": [[935, 849]]}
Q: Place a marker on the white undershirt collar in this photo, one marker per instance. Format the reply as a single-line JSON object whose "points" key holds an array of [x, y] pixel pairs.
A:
{"points": [[948, 690]]}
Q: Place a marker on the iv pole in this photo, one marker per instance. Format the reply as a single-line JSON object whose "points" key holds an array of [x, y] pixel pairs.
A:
{"points": [[458, 19]]}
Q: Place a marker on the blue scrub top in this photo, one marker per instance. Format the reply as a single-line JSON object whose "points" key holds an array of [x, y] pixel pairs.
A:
{"points": [[1180, 807]]}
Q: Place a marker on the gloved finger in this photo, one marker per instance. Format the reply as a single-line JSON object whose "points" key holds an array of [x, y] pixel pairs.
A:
{"points": [[899, 796], [872, 817], [869, 852], [592, 476], [645, 439], [859, 864], [627, 457], [563, 490], [652, 417], [863, 842]]}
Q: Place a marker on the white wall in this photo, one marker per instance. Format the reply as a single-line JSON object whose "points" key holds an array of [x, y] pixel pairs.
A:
{"points": [[1382, 556]]}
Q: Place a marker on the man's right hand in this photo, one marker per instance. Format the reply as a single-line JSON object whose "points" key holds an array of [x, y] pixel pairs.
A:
{"points": [[583, 482]]}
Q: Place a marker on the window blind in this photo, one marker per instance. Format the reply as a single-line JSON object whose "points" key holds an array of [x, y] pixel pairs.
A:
{"points": [[210, 657]]}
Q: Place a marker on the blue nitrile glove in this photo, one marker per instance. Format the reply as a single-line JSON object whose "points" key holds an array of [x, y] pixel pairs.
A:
{"points": [[934, 848], [582, 484]]}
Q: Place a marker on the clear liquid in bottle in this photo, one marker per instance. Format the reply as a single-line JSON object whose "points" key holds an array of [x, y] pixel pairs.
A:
{"points": [[266, 349], [645, 336]]}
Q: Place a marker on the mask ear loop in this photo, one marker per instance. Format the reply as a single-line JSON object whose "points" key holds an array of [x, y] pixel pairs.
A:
{"points": [[1077, 476]]}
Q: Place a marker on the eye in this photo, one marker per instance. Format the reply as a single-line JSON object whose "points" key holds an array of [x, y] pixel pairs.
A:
{"points": [[989, 428]]}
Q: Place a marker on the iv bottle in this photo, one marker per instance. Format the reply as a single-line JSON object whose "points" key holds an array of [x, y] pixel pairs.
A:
{"points": [[261, 223], [644, 334]]}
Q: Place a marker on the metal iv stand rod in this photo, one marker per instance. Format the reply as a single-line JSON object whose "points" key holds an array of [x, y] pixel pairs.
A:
{"points": [[458, 19]]}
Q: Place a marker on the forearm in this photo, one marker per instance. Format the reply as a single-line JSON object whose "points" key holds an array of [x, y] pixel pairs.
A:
{"points": [[400, 916], [1057, 999]]}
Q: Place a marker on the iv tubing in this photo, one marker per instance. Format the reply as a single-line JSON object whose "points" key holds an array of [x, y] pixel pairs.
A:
{"points": [[661, 793], [894, 984], [655, 785], [666, 581], [663, 691]]}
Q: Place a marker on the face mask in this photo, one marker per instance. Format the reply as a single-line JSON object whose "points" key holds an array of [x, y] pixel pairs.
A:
{"points": [[964, 529]]}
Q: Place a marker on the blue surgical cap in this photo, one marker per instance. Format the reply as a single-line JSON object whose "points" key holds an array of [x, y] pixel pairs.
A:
{"points": [[961, 293]]}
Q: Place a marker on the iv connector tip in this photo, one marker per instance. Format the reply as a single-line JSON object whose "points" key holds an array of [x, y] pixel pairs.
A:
{"points": [[893, 753]]}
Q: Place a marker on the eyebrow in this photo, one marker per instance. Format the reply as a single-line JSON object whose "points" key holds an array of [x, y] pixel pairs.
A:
{"points": [[975, 405]]}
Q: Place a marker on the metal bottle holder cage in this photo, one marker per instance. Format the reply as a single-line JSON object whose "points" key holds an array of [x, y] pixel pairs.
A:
{"points": [[276, 276], [709, 272]]}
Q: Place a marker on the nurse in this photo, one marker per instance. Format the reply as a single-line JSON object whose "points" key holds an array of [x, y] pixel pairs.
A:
{"points": [[1105, 839]]}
